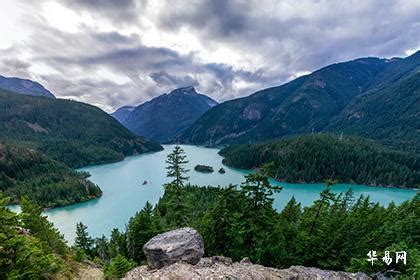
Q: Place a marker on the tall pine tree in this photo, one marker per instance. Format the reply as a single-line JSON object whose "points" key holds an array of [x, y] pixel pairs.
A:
{"points": [[176, 170], [83, 241]]}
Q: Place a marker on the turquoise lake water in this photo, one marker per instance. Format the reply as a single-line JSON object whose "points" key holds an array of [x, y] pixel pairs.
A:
{"points": [[124, 194]]}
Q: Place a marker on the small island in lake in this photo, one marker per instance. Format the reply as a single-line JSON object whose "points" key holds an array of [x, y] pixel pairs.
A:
{"points": [[203, 168], [222, 170]]}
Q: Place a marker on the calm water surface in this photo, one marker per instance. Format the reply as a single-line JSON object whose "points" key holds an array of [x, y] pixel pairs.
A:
{"points": [[124, 194]]}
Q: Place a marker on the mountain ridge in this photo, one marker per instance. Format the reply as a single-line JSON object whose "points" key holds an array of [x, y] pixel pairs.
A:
{"points": [[165, 116], [305, 105], [122, 113], [390, 115], [74, 133], [24, 86]]}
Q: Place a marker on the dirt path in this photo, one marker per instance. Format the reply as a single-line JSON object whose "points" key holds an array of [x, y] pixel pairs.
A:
{"points": [[90, 273]]}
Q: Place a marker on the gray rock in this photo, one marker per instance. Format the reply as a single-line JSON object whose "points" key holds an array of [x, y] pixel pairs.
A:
{"points": [[387, 275], [211, 261], [246, 261], [210, 268], [302, 272], [222, 259], [183, 244]]}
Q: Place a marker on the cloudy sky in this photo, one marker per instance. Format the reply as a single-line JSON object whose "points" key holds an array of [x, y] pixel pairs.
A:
{"points": [[124, 52]]}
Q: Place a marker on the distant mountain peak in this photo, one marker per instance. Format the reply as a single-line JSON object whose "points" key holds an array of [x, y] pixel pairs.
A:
{"points": [[24, 86], [122, 113], [166, 115]]}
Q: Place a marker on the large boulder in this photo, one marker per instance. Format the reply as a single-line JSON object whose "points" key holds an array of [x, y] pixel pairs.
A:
{"points": [[183, 244]]}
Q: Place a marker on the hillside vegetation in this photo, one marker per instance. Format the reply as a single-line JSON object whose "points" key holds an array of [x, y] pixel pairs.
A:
{"points": [[31, 248], [335, 232], [26, 172], [313, 158], [74, 133], [391, 115], [369, 97]]}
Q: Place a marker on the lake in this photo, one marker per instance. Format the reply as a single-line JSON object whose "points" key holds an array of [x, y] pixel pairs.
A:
{"points": [[124, 193]]}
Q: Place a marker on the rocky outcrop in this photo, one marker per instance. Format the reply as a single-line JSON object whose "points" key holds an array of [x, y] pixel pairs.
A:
{"points": [[223, 268], [302, 272], [178, 254], [184, 244]]}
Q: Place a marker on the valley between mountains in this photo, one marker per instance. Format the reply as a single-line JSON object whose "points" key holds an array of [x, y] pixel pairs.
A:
{"points": [[209, 140], [354, 123], [369, 107]]}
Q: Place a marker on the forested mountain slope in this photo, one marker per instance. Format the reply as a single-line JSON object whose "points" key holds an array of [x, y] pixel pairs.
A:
{"points": [[313, 158], [313, 102], [75, 133], [391, 115], [398, 69], [301, 106], [26, 172]]}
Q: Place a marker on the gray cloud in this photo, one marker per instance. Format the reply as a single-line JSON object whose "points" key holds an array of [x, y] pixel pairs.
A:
{"points": [[242, 46], [163, 78], [304, 35], [217, 18], [118, 11], [16, 66]]}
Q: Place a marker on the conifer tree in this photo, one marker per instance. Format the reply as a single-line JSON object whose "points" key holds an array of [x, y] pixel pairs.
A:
{"points": [[33, 220], [83, 241], [117, 243], [258, 215], [101, 248], [258, 188], [176, 170], [141, 228], [23, 255], [222, 225], [175, 167], [118, 267], [326, 195]]}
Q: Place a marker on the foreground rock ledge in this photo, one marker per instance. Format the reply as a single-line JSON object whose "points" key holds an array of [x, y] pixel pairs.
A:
{"points": [[183, 244], [223, 268], [177, 254]]}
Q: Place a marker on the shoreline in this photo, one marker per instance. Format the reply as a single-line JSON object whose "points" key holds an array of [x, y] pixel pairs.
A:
{"points": [[278, 180]]}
